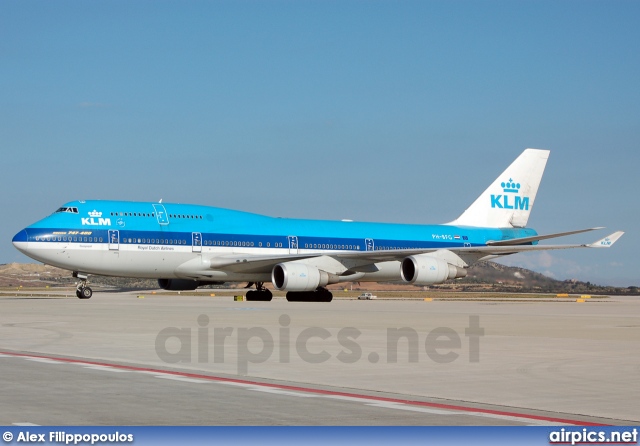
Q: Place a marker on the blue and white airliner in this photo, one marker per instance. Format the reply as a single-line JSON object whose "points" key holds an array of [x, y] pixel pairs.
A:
{"points": [[185, 246]]}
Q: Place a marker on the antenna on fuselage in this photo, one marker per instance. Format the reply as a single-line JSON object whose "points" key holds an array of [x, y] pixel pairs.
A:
{"points": [[160, 201]]}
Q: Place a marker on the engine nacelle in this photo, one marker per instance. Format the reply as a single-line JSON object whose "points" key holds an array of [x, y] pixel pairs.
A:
{"points": [[179, 284], [299, 277], [427, 270]]}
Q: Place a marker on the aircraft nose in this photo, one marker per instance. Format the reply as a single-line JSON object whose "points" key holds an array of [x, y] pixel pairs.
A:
{"points": [[20, 240]]}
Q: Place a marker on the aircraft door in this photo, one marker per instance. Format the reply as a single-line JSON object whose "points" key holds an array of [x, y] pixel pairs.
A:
{"points": [[161, 214], [114, 239], [368, 242], [196, 241], [293, 244]]}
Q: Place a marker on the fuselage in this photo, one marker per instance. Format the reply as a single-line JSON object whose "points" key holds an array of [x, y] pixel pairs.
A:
{"points": [[157, 240]]}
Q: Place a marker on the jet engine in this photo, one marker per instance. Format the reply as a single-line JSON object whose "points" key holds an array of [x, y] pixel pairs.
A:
{"points": [[300, 277], [427, 270]]}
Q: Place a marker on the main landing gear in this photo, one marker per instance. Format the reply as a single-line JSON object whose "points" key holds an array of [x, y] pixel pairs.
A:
{"points": [[259, 294], [82, 289], [321, 294]]}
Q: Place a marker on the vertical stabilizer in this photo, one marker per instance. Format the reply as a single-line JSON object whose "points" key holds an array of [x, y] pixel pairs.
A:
{"points": [[508, 201]]}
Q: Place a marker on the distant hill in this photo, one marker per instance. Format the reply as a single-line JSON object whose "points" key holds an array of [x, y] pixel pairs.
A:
{"points": [[31, 275], [482, 276], [497, 277]]}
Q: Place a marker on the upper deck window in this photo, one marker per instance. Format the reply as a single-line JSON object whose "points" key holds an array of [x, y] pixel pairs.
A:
{"points": [[68, 210]]}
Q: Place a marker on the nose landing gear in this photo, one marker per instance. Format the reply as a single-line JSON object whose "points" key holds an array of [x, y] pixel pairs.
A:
{"points": [[83, 291]]}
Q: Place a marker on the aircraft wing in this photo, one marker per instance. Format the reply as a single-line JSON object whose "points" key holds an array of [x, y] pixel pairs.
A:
{"points": [[400, 254], [537, 238], [248, 263]]}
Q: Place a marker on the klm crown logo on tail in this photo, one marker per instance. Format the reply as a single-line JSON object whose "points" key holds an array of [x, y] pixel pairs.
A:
{"points": [[503, 201]]}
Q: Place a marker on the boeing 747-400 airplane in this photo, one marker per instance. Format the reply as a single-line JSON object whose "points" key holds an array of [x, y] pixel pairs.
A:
{"points": [[186, 246]]}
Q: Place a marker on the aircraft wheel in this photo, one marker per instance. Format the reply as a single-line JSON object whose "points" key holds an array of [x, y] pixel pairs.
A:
{"points": [[295, 296], [259, 295], [326, 296], [320, 295], [85, 293]]}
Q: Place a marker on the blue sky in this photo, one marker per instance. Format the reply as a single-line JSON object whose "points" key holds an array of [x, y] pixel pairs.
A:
{"points": [[375, 111]]}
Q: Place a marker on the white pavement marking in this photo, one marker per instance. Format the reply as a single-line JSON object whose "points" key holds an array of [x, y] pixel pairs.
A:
{"points": [[24, 424], [266, 389], [45, 361], [546, 423], [231, 383], [105, 368], [346, 398], [180, 378], [281, 392], [411, 408], [399, 406]]}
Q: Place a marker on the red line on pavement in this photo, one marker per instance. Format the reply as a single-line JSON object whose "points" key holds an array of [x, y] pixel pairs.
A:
{"points": [[316, 391]]}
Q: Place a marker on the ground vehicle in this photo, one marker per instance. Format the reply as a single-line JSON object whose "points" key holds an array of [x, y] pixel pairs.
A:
{"points": [[367, 296]]}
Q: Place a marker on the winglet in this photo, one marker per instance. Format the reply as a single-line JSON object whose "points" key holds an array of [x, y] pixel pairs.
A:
{"points": [[607, 241]]}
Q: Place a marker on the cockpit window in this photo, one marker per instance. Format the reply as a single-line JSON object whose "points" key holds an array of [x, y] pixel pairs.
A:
{"points": [[67, 210]]}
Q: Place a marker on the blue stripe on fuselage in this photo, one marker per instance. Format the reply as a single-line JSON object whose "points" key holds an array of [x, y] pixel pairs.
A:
{"points": [[138, 220]]}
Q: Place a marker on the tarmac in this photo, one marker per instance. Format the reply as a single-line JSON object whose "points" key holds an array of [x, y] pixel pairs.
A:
{"points": [[152, 359]]}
